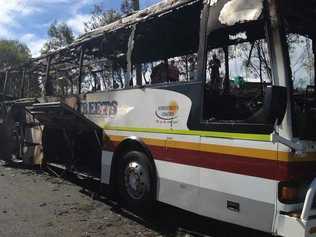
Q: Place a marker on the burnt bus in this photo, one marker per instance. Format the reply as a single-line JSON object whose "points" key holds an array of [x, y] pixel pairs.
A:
{"points": [[208, 106]]}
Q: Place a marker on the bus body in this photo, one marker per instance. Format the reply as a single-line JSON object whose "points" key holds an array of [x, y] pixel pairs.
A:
{"points": [[243, 150]]}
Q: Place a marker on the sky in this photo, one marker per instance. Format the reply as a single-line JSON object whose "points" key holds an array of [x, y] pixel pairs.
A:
{"points": [[28, 20]]}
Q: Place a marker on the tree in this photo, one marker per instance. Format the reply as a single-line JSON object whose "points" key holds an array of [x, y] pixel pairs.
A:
{"points": [[100, 18], [110, 72], [128, 6], [13, 53], [60, 35]]}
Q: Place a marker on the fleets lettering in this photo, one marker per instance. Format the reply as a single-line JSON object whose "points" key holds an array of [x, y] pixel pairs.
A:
{"points": [[105, 108]]}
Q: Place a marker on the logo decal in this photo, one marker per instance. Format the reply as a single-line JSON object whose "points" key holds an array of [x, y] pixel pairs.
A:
{"points": [[168, 112]]}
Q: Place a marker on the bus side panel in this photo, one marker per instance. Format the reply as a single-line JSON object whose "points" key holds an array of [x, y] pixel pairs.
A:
{"points": [[233, 189], [229, 197], [238, 181], [239, 190], [238, 199], [176, 185]]}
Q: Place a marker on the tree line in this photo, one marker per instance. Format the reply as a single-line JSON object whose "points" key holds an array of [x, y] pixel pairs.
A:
{"points": [[14, 52]]}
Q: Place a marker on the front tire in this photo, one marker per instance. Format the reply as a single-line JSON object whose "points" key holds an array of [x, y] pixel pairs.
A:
{"points": [[137, 182]]}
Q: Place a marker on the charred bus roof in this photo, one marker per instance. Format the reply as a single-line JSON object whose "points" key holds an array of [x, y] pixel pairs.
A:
{"points": [[142, 16], [223, 13], [135, 39]]}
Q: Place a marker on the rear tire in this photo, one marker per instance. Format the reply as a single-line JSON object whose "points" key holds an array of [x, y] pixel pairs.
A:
{"points": [[136, 182]]}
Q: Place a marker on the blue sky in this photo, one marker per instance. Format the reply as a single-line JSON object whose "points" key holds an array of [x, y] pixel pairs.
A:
{"points": [[28, 20]]}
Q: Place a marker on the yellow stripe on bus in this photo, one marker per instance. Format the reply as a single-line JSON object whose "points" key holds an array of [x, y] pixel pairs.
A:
{"points": [[241, 136], [220, 149], [226, 150]]}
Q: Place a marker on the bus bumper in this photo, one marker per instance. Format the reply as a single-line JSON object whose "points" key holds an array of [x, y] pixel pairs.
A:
{"points": [[295, 227], [305, 224]]}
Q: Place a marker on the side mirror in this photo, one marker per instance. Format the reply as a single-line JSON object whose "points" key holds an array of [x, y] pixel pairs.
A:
{"points": [[275, 102], [274, 106]]}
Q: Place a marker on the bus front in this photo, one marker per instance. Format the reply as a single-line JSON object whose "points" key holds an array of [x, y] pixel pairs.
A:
{"points": [[293, 43]]}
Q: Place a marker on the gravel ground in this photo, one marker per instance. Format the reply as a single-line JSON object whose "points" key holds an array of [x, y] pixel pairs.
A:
{"points": [[36, 204]]}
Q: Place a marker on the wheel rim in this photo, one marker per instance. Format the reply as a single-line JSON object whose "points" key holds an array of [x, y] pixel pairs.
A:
{"points": [[136, 180]]}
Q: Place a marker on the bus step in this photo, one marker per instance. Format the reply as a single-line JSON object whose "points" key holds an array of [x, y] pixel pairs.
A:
{"points": [[79, 174]]}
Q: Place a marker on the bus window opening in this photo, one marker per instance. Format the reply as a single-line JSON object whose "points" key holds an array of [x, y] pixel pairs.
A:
{"points": [[237, 74], [301, 42], [165, 49]]}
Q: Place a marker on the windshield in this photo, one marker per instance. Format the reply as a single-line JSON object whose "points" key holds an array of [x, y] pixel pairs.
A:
{"points": [[300, 36]]}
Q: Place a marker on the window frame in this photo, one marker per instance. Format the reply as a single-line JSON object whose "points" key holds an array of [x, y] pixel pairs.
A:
{"points": [[231, 126]]}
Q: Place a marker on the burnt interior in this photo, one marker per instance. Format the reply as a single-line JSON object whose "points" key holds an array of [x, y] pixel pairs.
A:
{"points": [[238, 103]]}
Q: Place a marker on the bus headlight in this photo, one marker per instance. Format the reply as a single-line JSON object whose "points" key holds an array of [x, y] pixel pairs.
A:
{"points": [[288, 194], [293, 192]]}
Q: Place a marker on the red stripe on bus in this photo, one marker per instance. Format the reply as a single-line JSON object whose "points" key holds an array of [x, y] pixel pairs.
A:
{"points": [[268, 169], [228, 163]]}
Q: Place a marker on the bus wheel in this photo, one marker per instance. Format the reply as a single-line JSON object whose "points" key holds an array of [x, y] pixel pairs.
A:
{"points": [[136, 182]]}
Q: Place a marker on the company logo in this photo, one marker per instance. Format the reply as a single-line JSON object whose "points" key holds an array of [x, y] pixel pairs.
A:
{"points": [[168, 112]]}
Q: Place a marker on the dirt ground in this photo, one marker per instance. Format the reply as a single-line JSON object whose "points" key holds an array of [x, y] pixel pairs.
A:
{"points": [[38, 204]]}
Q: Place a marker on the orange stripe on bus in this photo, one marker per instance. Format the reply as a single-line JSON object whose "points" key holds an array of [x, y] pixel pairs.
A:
{"points": [[226, 150]]}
